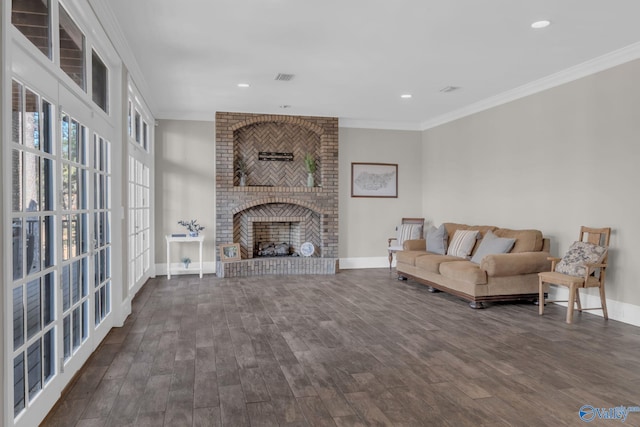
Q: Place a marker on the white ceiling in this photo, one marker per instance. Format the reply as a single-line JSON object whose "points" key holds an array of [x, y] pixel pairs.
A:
{"points": [[353, 59]]}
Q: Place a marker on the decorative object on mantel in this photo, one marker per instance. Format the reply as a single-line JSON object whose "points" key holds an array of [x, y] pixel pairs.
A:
{"points": [[230, 252], [186, 261], [241, 171], [193, 227], [310, 165], [374, 180], [275, 156]]}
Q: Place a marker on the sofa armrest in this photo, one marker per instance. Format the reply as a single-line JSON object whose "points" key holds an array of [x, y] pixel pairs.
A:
{"points": [[414, 245], [501, 265]]}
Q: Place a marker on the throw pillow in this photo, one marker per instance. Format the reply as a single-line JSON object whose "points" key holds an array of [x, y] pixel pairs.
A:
{"points": [[462, 243], [492, 244], [437, 240], [409, 232], [579, 254]]}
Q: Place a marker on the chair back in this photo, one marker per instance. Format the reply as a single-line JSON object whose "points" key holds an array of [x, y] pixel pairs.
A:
{"points": [[596, 236], [419, 221]]}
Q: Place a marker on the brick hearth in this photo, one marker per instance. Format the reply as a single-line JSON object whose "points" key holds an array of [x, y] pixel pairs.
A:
{"points": [[276, 190]]}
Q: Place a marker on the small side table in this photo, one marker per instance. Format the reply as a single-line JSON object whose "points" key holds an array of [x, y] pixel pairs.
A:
{"points": [[184, 239]]}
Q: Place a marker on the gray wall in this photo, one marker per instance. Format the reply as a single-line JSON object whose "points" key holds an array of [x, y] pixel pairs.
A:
{"points": [[367, 223], [185, 185], [554, 161]]}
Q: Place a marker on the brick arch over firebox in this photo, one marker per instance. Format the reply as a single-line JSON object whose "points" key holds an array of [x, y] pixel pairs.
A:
{"points": [[289, 200], [273, 118]]}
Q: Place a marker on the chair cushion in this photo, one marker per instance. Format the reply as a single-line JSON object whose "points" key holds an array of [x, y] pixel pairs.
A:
{"points": [[437, 240], [492, 244], [408, 232], [579, 254], [462, 243]]}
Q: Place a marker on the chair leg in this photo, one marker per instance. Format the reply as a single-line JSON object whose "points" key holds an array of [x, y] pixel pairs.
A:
{"points": [[603, 300], [390, 259], [541, 297], [571, 303], [578, 303]]}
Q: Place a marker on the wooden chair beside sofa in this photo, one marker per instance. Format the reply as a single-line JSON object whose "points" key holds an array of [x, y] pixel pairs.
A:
{"points": [[409, 228], [584, 274]]}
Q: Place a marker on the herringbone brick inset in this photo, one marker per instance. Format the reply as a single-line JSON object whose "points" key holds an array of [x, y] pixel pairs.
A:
{"points": [[277, 138]]}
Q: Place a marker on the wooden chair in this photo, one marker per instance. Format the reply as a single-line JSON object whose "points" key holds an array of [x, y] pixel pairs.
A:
{"points": [[399, 240], [594, 275]]}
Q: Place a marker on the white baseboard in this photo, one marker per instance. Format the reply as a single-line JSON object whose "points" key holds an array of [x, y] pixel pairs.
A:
{"points": [[620, 311], [177, 269], [210, 267], [365, 262]]}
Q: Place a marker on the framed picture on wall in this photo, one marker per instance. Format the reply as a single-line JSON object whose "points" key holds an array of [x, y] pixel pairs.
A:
{"points": [[230, 252], [374, 180]]}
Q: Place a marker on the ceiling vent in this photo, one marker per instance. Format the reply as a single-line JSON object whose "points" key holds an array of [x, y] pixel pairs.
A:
{"points": [[284, 77], [447, 89]]}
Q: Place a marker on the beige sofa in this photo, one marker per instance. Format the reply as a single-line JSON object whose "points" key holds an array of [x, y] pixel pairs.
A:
{"points": [[498, 277]]}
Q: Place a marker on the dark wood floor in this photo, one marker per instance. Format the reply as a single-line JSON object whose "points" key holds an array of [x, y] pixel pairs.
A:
{"points": [[356, 349]]}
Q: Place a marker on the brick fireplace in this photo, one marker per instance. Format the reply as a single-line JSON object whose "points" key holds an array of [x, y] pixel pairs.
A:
{"points": [[276, 204]]}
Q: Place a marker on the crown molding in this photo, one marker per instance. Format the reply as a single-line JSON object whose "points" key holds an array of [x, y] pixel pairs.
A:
{"points": [[111, 27], [194, 116], [593, 66], [375, 124]]}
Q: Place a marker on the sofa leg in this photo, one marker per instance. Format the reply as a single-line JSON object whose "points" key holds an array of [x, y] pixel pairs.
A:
{"points": [[432, 289], [477, 305]]}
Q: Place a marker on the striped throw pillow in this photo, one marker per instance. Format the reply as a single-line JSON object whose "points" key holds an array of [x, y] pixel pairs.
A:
{"points": [[462, 243], [409, 232]]}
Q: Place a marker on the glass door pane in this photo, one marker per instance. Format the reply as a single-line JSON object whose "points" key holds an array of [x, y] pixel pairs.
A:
{"points": [[33, 245], [102, 228], [74, 232]]}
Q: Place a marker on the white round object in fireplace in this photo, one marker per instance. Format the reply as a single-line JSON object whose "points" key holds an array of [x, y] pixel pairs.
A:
{"points": [[307, 249]]}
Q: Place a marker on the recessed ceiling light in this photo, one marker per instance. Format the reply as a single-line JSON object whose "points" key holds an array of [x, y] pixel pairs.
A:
{"points": [[285, 106], [540, 24], [405, 96], [243, 85]]}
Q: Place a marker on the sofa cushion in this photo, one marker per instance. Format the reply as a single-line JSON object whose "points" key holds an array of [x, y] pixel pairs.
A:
{"points": [[579, 254], [462, 243], [409, 257], [464, 271], [431, 262], [526, 240], [492, 244], [437, 240]]}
